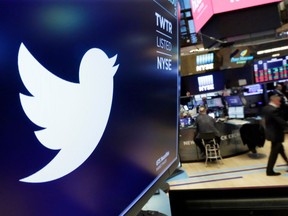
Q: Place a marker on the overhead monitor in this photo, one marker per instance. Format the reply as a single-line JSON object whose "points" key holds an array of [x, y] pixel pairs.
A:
{"points": [[221, 6], [71, 76], [272, 69], [203, 10], [205, 62]]}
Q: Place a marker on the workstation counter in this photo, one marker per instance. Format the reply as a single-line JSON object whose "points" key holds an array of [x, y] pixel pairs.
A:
{"points": [[231, 142]]}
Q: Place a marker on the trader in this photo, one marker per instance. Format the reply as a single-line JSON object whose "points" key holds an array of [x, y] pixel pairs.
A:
{"points": [[274, 131], [205, 124]]}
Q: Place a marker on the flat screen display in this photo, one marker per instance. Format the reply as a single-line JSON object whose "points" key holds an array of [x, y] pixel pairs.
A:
{"points": [[205, 62], [202, 11], [233, 101], [253, 90], [215, 102], [74, 140], [269, 70], [201, 84], [206, 83], [236, 112], [210, 82]]}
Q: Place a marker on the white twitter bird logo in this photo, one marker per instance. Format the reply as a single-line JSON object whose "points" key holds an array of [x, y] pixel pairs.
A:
{"points": [[73, 115]]}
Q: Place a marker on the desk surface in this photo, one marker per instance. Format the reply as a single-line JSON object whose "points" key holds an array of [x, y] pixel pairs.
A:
{"points": [[237, 121]]}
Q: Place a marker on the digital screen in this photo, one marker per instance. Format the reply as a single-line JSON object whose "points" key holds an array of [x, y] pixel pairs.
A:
{"points": [[205, 83], [215, 102], [221, 6], [236, 112], [205, 62], [202, 11], [201, 85], [269, 70], [253, 90], [233, 101], [71, 77]]}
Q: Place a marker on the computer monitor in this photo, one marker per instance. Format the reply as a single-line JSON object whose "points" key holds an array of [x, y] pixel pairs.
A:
{"points": [[215, 102], [71, 77], [255, 89], [236, 112], [234, 100]]}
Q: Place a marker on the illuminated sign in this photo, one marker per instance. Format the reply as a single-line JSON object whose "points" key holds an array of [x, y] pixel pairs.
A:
{"points": [[202, 11], [242, 59], [205, 62], [205, 83], [221, 6], [269, 70]]}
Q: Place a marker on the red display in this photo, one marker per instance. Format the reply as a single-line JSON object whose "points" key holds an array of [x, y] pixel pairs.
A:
{"points": [[270, 70], [202, 11]]}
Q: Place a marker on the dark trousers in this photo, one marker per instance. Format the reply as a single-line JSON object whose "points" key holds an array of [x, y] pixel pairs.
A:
{"points": [[200, 145], [276, 147]]}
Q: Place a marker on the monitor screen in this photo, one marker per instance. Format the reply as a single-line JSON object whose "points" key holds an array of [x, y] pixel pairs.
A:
{"points": [[234, 100], [215, 102], [203, 84], [269, 70], [253, 90], [71, 76], [205, 62], [202, 11], [236, 112]]}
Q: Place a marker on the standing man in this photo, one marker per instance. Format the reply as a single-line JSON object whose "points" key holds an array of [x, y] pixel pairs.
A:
{"points": [[274, 132], [283, 99]]}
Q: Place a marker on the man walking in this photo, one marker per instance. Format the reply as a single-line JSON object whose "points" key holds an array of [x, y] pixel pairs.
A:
{"points": [[274, 132]]}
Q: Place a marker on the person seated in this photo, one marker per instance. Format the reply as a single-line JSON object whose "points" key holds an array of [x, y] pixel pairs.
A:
{"points": [[205, 124]]}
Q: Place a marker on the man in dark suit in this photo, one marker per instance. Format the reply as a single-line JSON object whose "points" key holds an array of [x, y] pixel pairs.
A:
{"points": [[274, 132], [283, 99], [205, 124]]}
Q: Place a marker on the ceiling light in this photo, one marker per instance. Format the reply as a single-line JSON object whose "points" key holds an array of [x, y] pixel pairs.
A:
{"points": [[272, 50]]}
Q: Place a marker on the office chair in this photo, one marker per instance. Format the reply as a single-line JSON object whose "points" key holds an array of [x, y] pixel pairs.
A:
{"points": [[212, 147]]}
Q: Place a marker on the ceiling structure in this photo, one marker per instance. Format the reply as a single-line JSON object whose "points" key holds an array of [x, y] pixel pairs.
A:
{"points": [[192, 42]]}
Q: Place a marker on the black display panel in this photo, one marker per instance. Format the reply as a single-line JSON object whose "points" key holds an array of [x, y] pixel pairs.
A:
{"points": [[82, 84], [203, 83], [269, 70]]}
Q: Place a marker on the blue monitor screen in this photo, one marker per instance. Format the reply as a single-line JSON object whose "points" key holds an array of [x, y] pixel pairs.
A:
{"points": [[253, 90], [234, 100], [74, 140]]}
